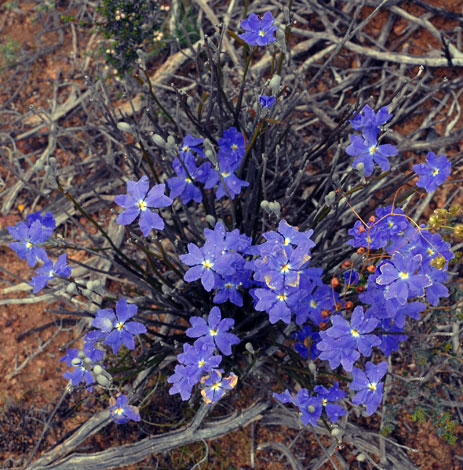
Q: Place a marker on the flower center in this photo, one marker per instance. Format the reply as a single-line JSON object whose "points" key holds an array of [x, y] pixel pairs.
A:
{"points": [[234, 147], [141, 205], [287, 241], [403, 275], [435, 172], [185, 148], [29, 245], [285, 268], [188, 180], [354, 333], [229, 285], [372, 387], [225, 174], [120, 326], [313, 304], [216, 386], [213, 332], [201, 363], [119, 411], [281, 297], [261, 33], [207, 264], [324, 401], [372, 149]]}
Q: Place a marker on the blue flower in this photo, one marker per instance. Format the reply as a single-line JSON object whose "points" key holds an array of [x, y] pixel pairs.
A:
{"points": [[137, 200], [121, 412], [214, 331], [259, 32], [340, 343], [367, 151], [310, 407], [432, 173], [216, 385], [191, 144], [333, 410], [199, 359], [49, 271], [29, 237], [368, 118], [231, 147], [182, 382], [399, 278], [306, 340], [47, 220], [370, 390], [82, 364], [206, 261], [267, 101], [117, 330]]}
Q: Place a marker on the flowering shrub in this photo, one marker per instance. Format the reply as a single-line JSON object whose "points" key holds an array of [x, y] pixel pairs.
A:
{"points": [[208, 243]]}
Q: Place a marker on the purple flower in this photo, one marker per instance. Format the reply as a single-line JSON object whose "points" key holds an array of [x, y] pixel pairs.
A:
{"points": [[191, 144], [214, 331], [29, 237], [118, 331], [184, 183], [368, 118], [199, 359], [267, 101], [49, 271], [310, 407], [306, 340], [340, 343], [432, 173], [75, 358], [259, 32], [367, 151], [137, 200], [216, 385], [121, 412], [206, 261], [231, 147], [182, 382], [370, 391], [48, 222], [278, 304], [333, 410], [399, 278]]}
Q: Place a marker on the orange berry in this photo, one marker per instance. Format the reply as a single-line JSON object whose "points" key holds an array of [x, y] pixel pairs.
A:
{"points": [[334, 282], [361, 250], [349, 305], [322, 325], [360, 288], [372, 218], [325, 313], [371, 268], [346, 263]]}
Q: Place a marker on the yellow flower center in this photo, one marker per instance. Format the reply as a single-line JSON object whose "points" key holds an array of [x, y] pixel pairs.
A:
{"points": [[29, 245], [213, 332], [234, 147], [201, 363], [355, 333], [261, 33], [435, 172], [372, 387], [372, 149], [403, 275], [225, 174], [207, 264], [287, 241], [119, 411], [285, 268], [120, 325], [281, 297], [142, 205], [188, 180], [313, 304]]}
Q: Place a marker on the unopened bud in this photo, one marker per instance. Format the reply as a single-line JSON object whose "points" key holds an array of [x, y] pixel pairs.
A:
{"points": [[249, 348], [190, 101], [98, 369], [311, 408], [360, 167], [76, 362], [275, 84], [458, 230], [125, 127], [330, 198], [210, 219], [71, 287], [102, 380], [159, 141]]}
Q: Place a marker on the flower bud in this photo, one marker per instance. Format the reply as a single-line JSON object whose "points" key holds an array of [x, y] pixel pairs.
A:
{"points": [[158, 140], [125, 127], [275, 84], [210, 219], [81, 354], [76, 362], [311, 408], [71, 287], [98, 369], [102, 380], [360, 167], [458, 230]]}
